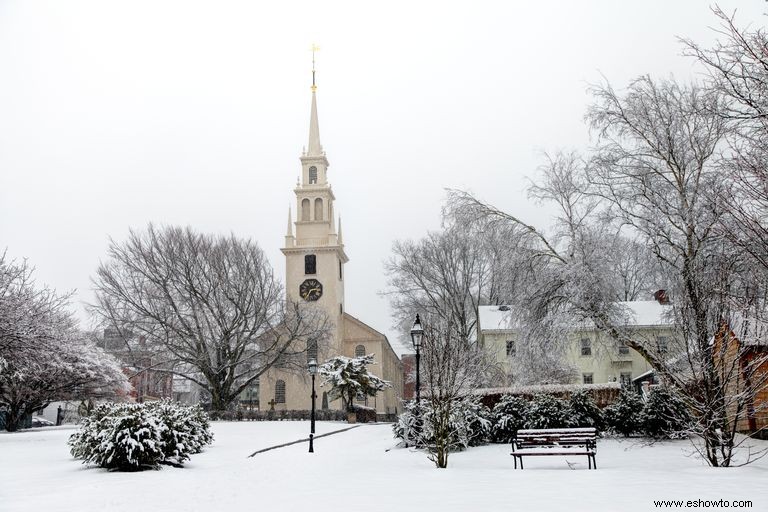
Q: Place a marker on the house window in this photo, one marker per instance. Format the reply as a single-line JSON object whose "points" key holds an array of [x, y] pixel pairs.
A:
{"points": [[311, 350], [305, 209], [511, 348], [318, 209], [623, 349], [662, 342], [359, 350], [625, 379], [310, 264], [312, 175], [586, 347], [587, 378], [280, 392]]}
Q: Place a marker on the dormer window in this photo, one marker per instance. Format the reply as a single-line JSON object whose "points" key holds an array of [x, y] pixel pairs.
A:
{"points": [[312, 175]]}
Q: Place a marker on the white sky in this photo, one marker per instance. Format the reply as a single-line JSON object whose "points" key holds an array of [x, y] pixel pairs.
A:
{"points": [[115, 114]]}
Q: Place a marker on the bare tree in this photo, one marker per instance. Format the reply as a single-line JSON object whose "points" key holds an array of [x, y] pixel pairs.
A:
{"points": [[737, 67], [43, 355], [446, 274], [210, 304], [451, 369]]}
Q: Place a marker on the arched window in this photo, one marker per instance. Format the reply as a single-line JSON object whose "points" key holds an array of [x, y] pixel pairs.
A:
{"points": [[311, 350], [305, 209], [318, 209], [312, 175], [280, 392], [359, 350], [310, 264]]}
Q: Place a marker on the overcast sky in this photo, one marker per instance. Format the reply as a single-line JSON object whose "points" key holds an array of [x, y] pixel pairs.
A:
{"points": [[116, 114]]}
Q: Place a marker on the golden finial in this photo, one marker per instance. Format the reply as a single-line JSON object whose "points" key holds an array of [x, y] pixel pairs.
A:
{"points": [[314, 49]]}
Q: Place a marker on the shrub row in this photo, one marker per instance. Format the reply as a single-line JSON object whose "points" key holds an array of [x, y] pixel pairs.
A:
{"points": [[133, 437], [663, 415]]}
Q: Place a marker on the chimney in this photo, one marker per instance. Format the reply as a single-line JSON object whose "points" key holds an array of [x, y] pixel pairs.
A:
{"points": [[661, 297]]}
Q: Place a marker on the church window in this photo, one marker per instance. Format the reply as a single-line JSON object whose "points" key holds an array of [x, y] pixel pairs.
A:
{"points": [[280, 392], [359, 350], [312, 175], [305, 209], [312, 350], [310, 264], [318, 209]]}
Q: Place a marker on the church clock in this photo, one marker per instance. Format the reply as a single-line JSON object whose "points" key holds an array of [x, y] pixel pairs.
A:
{"points": [[311, 289]]}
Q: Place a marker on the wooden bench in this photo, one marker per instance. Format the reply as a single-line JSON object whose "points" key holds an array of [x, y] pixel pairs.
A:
{"points": [[555, 441]]}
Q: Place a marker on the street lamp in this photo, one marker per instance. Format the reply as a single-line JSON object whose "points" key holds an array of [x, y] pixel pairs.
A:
{"points": [[417, 335], [312, 365]]}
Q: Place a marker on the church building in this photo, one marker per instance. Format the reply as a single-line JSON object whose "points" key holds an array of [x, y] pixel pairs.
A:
{"points": [[314, 261]]}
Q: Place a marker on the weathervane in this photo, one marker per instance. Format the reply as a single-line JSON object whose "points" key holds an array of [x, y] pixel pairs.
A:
{"points": [[314, 49]]}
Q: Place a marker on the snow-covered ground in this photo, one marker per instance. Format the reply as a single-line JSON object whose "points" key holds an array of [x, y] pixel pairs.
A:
{"points": [[362, 470]]}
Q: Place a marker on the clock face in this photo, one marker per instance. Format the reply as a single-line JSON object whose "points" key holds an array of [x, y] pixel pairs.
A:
{"points": [[311, 289]]}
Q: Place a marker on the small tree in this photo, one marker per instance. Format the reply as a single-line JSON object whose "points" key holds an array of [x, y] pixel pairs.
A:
{"points": [[583, 412], [509, 416], [349, 378], [625, 415], [665, 415]]}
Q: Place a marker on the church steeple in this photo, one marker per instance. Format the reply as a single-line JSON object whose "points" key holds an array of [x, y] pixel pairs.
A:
{"points": [[314, 148]]}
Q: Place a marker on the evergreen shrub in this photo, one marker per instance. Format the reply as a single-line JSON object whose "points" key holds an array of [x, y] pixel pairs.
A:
{"points": [[134, 437], [665, 415], [625, 416]]}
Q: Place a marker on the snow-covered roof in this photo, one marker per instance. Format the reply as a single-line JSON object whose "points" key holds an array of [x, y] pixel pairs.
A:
{"points": [[637, 313], [644, 313], [749, 329]]}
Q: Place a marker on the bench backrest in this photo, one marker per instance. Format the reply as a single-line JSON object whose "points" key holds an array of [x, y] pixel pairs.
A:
{"points": [[560, 436]]}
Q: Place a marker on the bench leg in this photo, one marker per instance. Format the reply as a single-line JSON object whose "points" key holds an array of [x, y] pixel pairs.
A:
{"points": [[594, 462], [589, 461], [515, 459], [521, 463]]}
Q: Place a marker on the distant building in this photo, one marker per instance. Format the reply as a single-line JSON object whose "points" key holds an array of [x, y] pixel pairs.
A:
{"points": [[741, 358], [142, 367], [593, 357]]}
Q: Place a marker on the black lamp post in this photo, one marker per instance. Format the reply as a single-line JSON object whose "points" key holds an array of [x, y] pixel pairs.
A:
{"points": [[312, 365], [417, 335]]}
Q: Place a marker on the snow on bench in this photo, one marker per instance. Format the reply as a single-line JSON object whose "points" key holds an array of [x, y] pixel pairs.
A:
{"points": [[555, 441]]}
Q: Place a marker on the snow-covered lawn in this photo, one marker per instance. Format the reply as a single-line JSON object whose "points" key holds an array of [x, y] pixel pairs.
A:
{"points": [[362, 470]]}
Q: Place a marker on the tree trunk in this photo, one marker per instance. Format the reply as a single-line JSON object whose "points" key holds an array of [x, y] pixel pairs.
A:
{"points": [[14, 417]]}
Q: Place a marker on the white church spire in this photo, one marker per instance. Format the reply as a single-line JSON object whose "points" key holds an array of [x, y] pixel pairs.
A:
{"points": [[314, 148]]}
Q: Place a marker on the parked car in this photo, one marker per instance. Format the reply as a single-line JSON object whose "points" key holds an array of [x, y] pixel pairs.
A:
{"points": [[38, 421]]}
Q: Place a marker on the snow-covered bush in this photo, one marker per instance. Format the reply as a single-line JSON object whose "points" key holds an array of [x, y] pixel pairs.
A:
{"points": [[406, 428], [133, 437], [582, 411], [469, 424], [188, 429], [349, 378], [546, 411], [665, 415], [509, 415], [625, 416], [477, 422]]}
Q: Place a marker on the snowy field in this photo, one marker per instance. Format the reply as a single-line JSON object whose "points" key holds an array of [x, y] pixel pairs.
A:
{"points": [[362, 470]]}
